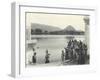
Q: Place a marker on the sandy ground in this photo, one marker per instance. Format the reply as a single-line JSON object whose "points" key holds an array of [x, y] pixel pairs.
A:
{"points": [[67, 62]]}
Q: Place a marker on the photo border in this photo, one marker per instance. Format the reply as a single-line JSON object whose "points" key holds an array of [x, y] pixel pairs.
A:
{"points": [[48, 13]]}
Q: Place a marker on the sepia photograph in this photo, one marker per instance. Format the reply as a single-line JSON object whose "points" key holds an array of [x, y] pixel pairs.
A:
{"points": [[56, 39]]}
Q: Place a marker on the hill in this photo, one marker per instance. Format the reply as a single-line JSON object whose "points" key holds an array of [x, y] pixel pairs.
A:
{"points": [[69, 28], [44, 27]]}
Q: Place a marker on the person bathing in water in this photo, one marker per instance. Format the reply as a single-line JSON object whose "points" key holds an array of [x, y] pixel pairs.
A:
{"points": [[34, 56], [47, 56], [62, 56]]}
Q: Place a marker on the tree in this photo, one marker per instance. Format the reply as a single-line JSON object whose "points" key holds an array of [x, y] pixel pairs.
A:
{"points": [[38, 31], [45, 32], [32, 31]]}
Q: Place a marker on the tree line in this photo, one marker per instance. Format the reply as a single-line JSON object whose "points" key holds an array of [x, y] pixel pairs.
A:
{"points": [[39, 31]]}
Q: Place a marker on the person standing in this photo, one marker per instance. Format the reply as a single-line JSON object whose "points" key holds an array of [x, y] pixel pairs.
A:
{"points": [[34, 58], [47, 57], [62, 56], [66, 54]]}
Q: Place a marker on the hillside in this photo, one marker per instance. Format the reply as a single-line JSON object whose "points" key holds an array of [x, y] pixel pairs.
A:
{"points": [[39, 29], [69, 28], [44, 27]]}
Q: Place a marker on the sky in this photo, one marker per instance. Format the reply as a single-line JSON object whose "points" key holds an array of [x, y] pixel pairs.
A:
{"points": [[58, 20]]}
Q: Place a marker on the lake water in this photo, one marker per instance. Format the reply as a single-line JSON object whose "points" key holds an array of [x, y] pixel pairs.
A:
{"points": [[54, 43]]}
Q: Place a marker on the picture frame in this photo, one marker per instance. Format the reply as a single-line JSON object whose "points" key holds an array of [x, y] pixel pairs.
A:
{"points": [[18, 39]]}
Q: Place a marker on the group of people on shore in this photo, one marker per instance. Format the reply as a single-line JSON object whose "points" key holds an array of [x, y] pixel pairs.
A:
{"points": [[75, 51]]}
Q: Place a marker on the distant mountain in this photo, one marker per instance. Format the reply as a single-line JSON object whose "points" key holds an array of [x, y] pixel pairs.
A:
{"points": [[44, 27], [40, 29], [69, 28]]}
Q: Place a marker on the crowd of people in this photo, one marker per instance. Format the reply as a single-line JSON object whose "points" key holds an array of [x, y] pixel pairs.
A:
{"points": [[75, 51]]}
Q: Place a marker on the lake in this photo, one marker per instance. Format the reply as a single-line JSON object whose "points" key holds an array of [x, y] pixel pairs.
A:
{"points": [[53, 43]]}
